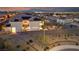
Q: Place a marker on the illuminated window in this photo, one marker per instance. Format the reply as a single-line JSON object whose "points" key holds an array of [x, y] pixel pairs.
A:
{"points": [[13, 30]]}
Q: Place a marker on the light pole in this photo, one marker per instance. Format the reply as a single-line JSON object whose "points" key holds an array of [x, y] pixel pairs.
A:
{"points": [[44, 30], [43, 19]]}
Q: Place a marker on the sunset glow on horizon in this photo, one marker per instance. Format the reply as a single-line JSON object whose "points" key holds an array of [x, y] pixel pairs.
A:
{"points": [[14, 8]]}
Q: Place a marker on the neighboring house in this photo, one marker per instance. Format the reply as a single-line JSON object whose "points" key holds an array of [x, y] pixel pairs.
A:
{"points": [[64, 21]]}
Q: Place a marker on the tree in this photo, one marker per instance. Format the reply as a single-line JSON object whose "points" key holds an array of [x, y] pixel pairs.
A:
{"points": [[0, 27]]}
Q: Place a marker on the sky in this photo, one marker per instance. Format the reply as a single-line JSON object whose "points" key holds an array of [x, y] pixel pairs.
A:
{"points": [[38, 3]]}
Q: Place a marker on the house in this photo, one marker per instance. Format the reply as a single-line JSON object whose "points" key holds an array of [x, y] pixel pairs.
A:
{"points": [[25, 25], [22, 23]]}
